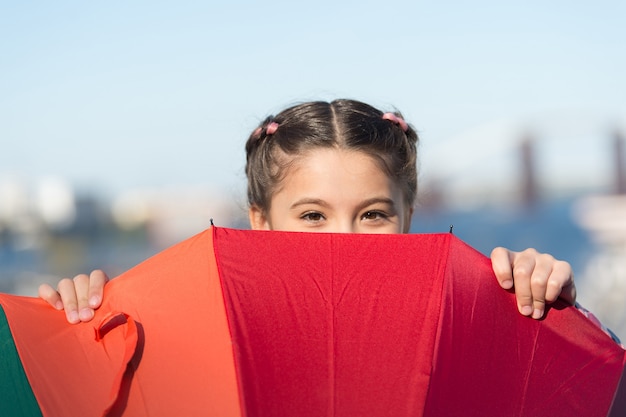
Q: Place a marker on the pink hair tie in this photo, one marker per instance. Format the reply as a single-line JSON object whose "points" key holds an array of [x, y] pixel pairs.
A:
{"points": [[271, 128], [397, 120], [257, 133]]}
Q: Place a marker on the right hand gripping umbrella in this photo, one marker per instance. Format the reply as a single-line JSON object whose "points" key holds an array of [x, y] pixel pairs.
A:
{"points": [[250, 323]]}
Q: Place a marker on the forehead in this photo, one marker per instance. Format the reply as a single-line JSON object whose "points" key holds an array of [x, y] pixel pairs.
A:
{"points": [[332, 173]]}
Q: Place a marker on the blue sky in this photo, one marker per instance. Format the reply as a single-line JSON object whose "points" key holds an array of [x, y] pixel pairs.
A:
{"points": [[119, 95]]}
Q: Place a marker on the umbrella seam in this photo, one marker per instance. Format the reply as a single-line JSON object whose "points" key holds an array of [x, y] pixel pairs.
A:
{"points": [[242, 404], [443, 283], [333, 363]]}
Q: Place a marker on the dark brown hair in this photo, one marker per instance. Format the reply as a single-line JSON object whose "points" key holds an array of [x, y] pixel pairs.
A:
{"points": [[341, 124]]}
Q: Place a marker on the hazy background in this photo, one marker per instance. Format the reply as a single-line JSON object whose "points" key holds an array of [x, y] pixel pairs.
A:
{"points": [[122, 124]]}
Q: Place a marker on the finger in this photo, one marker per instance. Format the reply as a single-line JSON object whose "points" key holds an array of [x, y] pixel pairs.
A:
{"points": [[51, 296], [569, 294], [501, 261], [67, 292], [523, 267], [541, 279], [81, 287], [561, 283], [97, 280]]}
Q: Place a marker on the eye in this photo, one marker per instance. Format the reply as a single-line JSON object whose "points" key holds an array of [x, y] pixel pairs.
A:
{"points": [[312, 216], [374, 215]]}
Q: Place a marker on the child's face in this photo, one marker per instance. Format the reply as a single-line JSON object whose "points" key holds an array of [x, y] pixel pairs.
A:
{"points": [[337, 191]]}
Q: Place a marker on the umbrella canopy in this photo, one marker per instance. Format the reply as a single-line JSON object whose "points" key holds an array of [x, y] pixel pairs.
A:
{"points": [[250, 323]]}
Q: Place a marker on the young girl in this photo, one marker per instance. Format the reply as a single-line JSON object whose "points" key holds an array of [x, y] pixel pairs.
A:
{"points": [[341, 167]]}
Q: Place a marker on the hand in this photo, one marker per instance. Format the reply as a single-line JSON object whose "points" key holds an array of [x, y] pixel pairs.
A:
{"points": [[79, 296], [538, 279]]}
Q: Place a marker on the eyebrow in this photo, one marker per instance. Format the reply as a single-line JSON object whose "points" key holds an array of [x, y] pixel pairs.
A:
{"points": [[377, 200], [363, 204], [304, 201]]}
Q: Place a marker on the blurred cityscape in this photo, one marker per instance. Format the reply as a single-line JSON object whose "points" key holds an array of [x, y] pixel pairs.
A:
{"points": [[48, 230]]}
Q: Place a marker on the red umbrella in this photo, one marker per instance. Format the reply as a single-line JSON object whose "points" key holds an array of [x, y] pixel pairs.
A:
{"points": [[244, 323]]}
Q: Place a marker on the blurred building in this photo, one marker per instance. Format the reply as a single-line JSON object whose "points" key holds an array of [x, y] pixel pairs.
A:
{"points": [[48, 231], [173, 214], [603, 281]]}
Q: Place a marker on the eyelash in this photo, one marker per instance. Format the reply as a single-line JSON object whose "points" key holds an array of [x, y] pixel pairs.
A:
{"points": [[379, 215], [307, 216]]}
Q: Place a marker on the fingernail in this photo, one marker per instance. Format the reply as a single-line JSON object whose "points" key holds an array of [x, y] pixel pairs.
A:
{"points": [[526, 310], [507, 284], [72, 316], [59, 305], [537, 313], [86, 314], [93, 301]]}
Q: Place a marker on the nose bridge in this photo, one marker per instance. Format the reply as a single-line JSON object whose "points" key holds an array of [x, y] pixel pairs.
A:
{"points": [[346, 225]]}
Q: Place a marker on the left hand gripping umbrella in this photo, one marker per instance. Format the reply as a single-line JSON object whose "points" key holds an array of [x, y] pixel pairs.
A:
{"points": [[249, 323]]}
